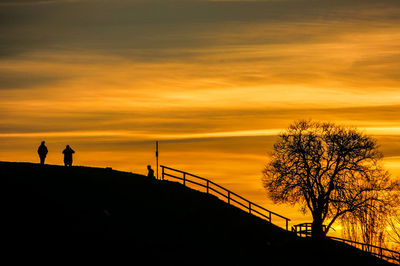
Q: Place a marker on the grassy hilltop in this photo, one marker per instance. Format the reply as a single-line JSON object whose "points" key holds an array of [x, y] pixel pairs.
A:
{"points": [[159, 221]]}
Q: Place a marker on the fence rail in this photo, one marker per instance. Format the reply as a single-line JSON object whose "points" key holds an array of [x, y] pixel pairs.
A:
{"points": [[231, 197], [383, 253], [304, 230]]}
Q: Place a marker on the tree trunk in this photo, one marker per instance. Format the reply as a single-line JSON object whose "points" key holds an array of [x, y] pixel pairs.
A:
{"points": [[317, 231]]}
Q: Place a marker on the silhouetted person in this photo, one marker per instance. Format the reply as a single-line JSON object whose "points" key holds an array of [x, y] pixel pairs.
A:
{"points": [[150, 174], [68, 155], [42, 151]]}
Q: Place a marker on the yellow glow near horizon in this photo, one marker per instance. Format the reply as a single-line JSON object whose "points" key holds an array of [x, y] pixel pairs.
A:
{"points": [[391, 131]]}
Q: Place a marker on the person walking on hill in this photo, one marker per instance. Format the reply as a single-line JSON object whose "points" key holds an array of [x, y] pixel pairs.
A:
{"points": [[150, 174], [68, 155], [42, 151]]}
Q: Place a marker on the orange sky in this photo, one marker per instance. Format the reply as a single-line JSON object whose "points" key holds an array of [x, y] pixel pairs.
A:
{"points": [[214, 81]]}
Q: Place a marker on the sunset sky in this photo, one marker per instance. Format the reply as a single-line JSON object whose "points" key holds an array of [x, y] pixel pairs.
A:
{"points": [[213, 81]]}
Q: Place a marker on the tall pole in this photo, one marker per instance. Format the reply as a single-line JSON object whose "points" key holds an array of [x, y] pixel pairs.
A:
{"points": [[157, 156]]}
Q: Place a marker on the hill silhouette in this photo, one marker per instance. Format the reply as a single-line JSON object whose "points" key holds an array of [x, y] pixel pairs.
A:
{"points": [[80, 209]]}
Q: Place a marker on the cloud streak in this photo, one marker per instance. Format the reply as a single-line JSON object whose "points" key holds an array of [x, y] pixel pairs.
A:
{"points": [[125, 25]]}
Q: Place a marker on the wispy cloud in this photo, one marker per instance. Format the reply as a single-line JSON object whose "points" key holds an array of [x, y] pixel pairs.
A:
{"points": [[196, 69]]}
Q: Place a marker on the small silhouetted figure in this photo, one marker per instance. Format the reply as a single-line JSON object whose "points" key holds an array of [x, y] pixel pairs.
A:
{"points": [[68, 155], [150, 174], [42, 151]]}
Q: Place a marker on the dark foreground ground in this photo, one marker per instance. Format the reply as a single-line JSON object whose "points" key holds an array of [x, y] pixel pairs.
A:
{"points": [[54, 214]]}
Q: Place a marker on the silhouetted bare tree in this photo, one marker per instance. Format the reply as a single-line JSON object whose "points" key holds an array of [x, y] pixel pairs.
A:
{"points": [[367, 226], [394, 233], [328, 169]]}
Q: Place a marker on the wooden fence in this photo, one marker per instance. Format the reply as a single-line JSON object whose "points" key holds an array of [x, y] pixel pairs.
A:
{"points": [[304, 230], [227, 195], [383, 253]]}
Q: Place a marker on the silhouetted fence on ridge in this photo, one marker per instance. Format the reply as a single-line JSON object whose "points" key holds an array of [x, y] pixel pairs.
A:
{"points": [[231, 197], [383, 253], [304, 230]]}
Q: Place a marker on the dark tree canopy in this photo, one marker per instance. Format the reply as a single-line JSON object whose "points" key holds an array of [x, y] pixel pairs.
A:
{"points": [[332, 171]]}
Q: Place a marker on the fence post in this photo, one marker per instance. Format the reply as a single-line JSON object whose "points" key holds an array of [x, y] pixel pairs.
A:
{"points": [[184, 179], [270, 217], [249, 207], [287, 224], [229, 197], [162, 172], [207, 186]]}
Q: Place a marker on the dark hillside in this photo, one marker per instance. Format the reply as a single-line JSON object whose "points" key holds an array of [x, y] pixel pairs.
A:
{"points": [[129, 215]]}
